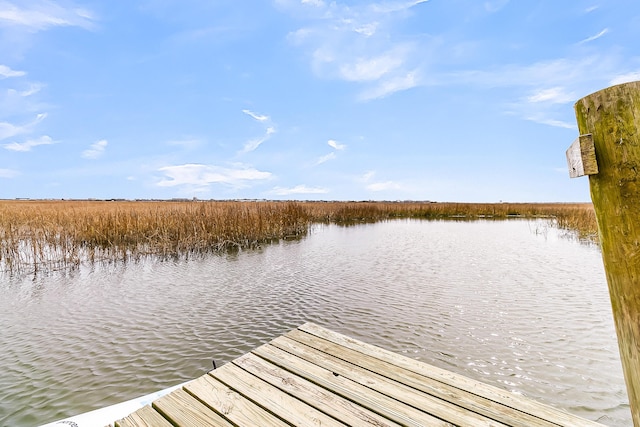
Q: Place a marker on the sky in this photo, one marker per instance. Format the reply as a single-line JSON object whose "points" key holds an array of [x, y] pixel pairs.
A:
{"points": [[440, 100]]}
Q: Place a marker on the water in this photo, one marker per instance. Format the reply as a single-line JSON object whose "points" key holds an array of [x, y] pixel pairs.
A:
{"points": [[509, 303]]}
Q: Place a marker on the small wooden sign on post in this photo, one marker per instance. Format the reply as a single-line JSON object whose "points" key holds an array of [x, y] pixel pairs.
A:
{"points": [[581, 157]]}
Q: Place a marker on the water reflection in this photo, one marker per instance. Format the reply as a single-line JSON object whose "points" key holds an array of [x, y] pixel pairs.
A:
{"points": [[498, 301]]}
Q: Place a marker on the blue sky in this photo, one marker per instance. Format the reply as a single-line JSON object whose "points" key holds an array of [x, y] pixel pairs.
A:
{"points": [[445, 100]]}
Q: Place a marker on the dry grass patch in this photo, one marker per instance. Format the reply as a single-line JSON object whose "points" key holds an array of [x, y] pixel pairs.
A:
{"points": [[48, 235]]}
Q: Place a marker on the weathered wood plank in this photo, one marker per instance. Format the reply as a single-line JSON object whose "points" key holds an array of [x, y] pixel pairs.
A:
{"points": [[581, 157], [328, 402], [184, 410], [437, 412], [318, 350], [489, 392], [230, 404], [269, 397], [144, 417]]}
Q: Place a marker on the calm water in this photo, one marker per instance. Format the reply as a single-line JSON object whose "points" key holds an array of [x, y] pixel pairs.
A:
{"points": [[509, 303]]}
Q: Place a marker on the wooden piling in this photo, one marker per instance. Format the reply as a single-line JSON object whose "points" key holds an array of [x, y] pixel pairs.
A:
{"points": [[612, 117]]}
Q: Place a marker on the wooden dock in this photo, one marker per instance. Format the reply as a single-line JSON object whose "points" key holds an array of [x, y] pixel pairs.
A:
{"points": [[315, 377]]}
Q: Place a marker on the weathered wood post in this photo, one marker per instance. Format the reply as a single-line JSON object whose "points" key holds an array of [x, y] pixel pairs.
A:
{"points": [[612, 117]]}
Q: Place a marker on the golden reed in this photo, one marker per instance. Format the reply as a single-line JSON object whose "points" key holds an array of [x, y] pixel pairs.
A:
{"points": [[49, 235]]}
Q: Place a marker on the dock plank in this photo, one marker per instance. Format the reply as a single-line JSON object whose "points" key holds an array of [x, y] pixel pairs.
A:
{"points": [[183, 410], [232, 405], [312, 394], [373, 399], [509, 400], [439, 412], [269, 397], [368, 366], [144, 417]]}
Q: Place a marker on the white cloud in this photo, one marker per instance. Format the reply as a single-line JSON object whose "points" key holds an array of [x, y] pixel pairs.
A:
{"points": [[254, 143], [8, 173], [382, 186], [539, 90], [369, 69], [359, 43], [298, 189], [316, 3], [258, 117], [367, 176], [96, 149], [395, 6], [7, 130], [555, 72], [29, 144], [388, 87], [368, 29], [495, 5], [554, 95], [43, 14], [8, 72], [625, 78], [299, 36], [33, 89], [595, 37], [199, 175], [335, 144], [326, 158], [591, 9], [551, 122]]}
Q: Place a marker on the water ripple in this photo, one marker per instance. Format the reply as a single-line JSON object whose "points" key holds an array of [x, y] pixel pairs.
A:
{"points": [[492, 300]]}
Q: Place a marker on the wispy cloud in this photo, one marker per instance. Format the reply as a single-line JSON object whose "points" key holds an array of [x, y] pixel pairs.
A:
{"points": [[298, 189], [95, 150], [358, 43], [495, 5], [332, 155], [254, 143], [540, 89], [395, 5], [551, 122], [382, 186], [595, 37], [258, 117], [29, 144], [8, 72], [8, 173], [336, 145], [625, 78], [393, 85], [8, 130], [378, 186], [370, 69], [200, 176], [326, 158], [367, 176], [557, 72], [554, 95], [40, 15], [316, 3], [32, 90]]}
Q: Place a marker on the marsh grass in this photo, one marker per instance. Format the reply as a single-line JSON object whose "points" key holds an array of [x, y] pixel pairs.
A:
{"points": [[50, 235]]}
